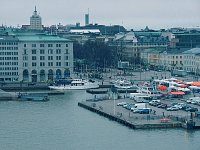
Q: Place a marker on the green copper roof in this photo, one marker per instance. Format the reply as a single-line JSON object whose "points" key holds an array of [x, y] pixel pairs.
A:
{"points": [[42, 38]]}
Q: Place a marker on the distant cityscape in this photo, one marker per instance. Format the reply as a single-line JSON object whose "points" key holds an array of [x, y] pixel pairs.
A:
{"points": [[35, 53]]}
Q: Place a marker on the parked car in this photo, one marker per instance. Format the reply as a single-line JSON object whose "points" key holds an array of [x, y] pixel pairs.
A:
{"points": [[129, 106], [121, 103], [172, 108], [191, 109], [180, 105], [154, 102], [164, 106]]}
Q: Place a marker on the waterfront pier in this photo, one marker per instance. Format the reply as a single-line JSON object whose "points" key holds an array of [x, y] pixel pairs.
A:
{"points": [[109, 109]]}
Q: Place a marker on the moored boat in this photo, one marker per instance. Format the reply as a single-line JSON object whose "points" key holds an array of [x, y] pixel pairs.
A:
{"points": [[76, 84], [33, 97], [123, 84]]}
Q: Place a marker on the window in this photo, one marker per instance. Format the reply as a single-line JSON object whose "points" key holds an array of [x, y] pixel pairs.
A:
{"points": [[25, 58], [50, 57], [66, 57], [42, 51], [42, 57], [66, 45], [50, 45], [33, 51], [33, 57], [50, 63], [41, 45], [58, 57], [25, 51], [66, 51], [66, 64], [24, 45], [33, 45], [58, 45], [58, 51], [58, 63], [25, 64], [50, 51], [34, 64], [42, 63]]}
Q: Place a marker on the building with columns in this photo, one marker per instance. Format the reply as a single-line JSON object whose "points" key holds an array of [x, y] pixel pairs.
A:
{"points": [[34, 57]]}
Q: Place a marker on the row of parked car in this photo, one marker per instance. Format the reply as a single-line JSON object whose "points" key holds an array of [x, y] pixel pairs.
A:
{"points": [[136, 108], [173, 106]]}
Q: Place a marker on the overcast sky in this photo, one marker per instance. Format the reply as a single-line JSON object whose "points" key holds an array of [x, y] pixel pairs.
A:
{"points": [[132, 14]]}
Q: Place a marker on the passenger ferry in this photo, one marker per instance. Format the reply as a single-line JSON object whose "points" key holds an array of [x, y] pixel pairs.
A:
{"points": [[75, 84]]}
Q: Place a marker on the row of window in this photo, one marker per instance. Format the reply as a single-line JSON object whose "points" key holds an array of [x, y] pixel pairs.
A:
{"points": [[8, 68], [8, 63], [8, 48], [8, 73], [48, 45], [42, 51], [42, 64], [43, 58], [8, 58], [8, 43], [8, 53], [189, 57], [176, 57]]}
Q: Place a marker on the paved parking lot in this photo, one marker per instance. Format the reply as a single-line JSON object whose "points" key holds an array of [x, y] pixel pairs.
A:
{"points": [[110, 106]]}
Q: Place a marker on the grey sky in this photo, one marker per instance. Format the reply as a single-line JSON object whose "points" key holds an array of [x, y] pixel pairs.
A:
{"points": [[134, 14]]}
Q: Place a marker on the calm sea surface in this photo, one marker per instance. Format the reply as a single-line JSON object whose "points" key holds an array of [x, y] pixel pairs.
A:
{"points": [[60, 124]]}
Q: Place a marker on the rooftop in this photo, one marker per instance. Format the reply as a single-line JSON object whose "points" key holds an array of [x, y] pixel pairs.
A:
{"points": [[8, 38], [192, 51]]}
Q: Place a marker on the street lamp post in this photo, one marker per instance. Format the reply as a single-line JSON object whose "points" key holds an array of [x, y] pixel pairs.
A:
{"points": [[114, 105]]}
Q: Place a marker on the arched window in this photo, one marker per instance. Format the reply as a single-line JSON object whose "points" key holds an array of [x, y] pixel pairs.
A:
{"points": [[66, 73], [25, 75], [58, 74], [42, 75], [50, 74], [34, 75]]}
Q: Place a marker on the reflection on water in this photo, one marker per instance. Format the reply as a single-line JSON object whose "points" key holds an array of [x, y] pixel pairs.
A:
{"points": [[61, 124]]}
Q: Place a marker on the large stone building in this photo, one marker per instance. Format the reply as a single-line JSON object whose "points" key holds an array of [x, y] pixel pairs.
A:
{"points": [[130, 45], [32, 57], [9, 58]]}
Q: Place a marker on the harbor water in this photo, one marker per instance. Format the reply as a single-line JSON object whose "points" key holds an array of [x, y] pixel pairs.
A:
{"points": [[59, 124]]}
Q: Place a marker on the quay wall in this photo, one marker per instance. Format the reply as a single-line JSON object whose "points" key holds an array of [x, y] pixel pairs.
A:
{"points": [[128, 123]]}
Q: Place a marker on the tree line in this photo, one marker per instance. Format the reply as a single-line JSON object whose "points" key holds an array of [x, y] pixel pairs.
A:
{"points": [[94, 54]]}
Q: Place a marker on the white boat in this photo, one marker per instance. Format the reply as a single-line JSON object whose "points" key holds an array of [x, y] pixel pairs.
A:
{"points": [[76, 84], [151, 91], [123, 84]]}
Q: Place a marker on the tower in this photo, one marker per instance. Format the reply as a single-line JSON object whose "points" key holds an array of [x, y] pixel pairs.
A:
{"points": [[35, 21], [87, 18]]}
